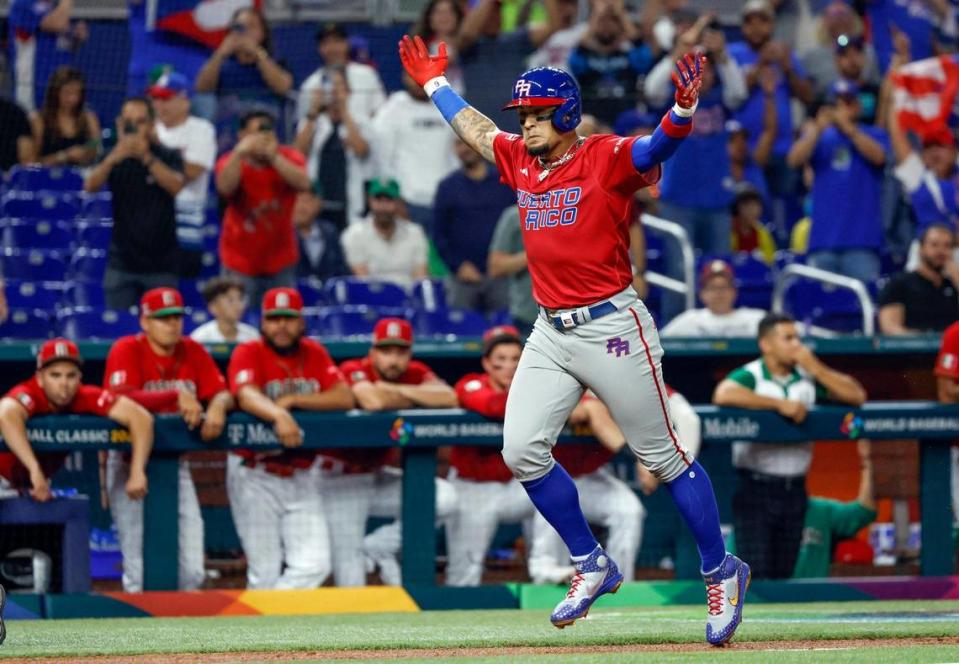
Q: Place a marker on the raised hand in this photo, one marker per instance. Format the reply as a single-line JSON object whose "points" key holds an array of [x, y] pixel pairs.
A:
{"points": [[417, 61], [688, 79]]}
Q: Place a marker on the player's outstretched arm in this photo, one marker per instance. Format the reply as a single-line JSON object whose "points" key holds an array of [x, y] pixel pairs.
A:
{"points": [[477, 130]]}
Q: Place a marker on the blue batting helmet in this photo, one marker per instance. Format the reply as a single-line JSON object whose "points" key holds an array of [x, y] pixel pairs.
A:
{"points": [[548, 86]]}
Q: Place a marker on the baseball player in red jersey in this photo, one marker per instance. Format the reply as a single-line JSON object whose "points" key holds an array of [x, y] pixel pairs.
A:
{"points": [[575, 196], [357, 484], [165, 372], [947, 386], [277, 510]]}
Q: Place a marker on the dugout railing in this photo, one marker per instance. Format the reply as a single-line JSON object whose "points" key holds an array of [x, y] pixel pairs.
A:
{"points": [[420, 432]]}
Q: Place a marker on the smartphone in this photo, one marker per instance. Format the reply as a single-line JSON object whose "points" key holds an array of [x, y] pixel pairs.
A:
{"points": [[238, 28], [129, 128]]}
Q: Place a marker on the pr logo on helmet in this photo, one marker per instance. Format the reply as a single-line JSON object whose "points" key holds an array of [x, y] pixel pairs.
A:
{"points": [[523, 88]]}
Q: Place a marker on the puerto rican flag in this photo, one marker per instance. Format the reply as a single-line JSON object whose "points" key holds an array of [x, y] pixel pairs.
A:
{"points": [[206, 21], [924, 94]]}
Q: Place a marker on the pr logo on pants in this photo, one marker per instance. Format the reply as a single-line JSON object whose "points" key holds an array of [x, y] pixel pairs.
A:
{"points": [[617, 345]]}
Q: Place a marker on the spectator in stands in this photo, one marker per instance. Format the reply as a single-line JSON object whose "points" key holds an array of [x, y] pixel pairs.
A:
{"points": [[925, 300], [366, 89], [467, 206], [226, 300], [243, 75], [144, 178], [608, 64], [321, 255], [42, 38], [947, 390], [16, 139], [337, 145], [847, 157], [750, 234], [354, 483], [755, 53], [440, 21], [556, 50], [415, 146], [745, 165], [769, 505], [259, 180], [720, 317], [854, 60], [385, 246], [195, 139], [65, 131], [491, 57], [507, 258], [666, 19], [164, 372], [279, 514], [55, 388]]}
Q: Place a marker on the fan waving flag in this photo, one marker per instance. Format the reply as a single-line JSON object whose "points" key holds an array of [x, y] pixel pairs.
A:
{"points": [[206, 22], [924, 93]]}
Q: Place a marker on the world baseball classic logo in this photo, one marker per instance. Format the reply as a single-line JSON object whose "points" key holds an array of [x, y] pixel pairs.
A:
{"points": [[617, 345]]}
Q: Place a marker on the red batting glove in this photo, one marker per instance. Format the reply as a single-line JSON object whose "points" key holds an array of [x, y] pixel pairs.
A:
{"points": [[417, 61], [688, 78]]}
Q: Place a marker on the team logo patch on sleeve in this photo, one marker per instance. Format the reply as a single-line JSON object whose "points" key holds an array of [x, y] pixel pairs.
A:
{"points": [[473, 385], [105, 399], [357, 376], [948, 361], [244, 376], [118, 377], [25, 400]]}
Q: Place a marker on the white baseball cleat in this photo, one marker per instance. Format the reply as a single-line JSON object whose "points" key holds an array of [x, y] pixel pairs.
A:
{"points": [[595, 576], [725, 595]]}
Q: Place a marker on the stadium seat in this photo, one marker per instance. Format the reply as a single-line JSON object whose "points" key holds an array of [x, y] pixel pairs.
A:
{"points": [[33, 265], [39, 178], [190, 289], [813, 303], [754, 280], [501, 317], [352, 290], [349, 320], [210, 265], [782, 258], [43, 295], [42, 205], [451, 322], [98, 205], [86, 323], [88, 265], [194, 318], [312, 292], [27, 234], [26, 324], [429, 295], [84, 294], [94, 234], [655, 253]]}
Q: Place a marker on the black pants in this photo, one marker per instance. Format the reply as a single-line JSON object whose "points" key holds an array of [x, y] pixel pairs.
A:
{"points": [[768, 514]]}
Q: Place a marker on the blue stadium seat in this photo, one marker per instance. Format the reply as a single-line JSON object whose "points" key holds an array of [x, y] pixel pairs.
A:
{"points": [[84, 294], [26, 234], [782, 258], [39, 178], [754, 278], [42, 205], [190, 289], [44, 295], [194, 318], [88, 265], [501, 317], [816, 304], [86, 323], [94, 234], [451, 322], [33, 265], [352, 290], [98, 205], [210, 265], [655, 253], [349, 320], [26, 324], [312, 292], [429, 295]]}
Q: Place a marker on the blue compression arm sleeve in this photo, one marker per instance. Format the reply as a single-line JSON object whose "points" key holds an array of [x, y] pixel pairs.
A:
{"points": [[649, 151], [448, 102]]}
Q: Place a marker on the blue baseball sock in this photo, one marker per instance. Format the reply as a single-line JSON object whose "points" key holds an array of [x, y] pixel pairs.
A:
{"points": [[693, 494], [555, 496]]}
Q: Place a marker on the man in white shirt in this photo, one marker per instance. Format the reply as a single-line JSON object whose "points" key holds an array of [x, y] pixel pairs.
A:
{"points": [[225, 297], [383, 246], [414, 145], [195, 139], [367, 91], [719, 318]]}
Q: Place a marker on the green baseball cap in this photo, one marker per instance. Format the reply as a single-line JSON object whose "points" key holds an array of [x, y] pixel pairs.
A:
{"points": [[384, 187]]}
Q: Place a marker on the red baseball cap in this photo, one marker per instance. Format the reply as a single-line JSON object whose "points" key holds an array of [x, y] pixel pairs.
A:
{"points": [[57, 350], [500, 334], [283, 302], [716, 268], [161, 302], [393, 332], [939, 136]]}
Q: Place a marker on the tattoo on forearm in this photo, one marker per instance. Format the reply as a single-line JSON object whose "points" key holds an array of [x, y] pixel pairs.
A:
{"points": [[477, 130]]}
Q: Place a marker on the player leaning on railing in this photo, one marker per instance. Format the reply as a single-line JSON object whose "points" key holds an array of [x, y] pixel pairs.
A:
{"points": [[574, 196]]}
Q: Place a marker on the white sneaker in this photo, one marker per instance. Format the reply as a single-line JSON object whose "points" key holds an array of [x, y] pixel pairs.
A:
{"points": [[595, 576], [725, 595]]}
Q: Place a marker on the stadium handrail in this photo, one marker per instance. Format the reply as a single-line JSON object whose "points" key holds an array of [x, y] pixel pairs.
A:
{"points": [[686, 287], [796, 271]]}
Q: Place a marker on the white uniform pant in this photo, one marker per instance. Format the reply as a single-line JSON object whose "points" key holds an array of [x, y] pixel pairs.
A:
{"points": [[481, 507], [128, 517], [607, 501], [281, 524]]}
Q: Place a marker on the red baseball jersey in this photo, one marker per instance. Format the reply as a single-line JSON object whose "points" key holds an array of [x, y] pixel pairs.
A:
{"points": [[416, 373], [132, 366], [947, 363], [576, 219], [90, 399], [480, 464]]}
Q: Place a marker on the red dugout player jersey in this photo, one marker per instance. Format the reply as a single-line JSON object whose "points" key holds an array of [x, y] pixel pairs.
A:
{"points": [[90, 400], [947, 363], [575, 221], [133, 366], [480, 464]]}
